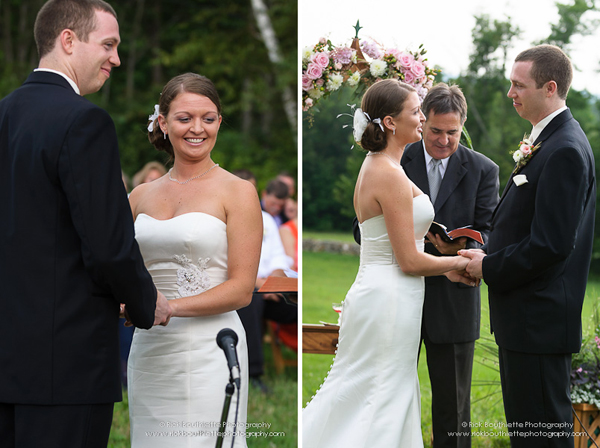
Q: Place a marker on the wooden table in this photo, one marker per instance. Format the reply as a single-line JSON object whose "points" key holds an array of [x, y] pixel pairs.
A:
{"points": [[286, 286], [318, 338]]}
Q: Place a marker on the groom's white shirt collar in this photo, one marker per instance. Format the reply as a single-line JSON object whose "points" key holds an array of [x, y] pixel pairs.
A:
{"points": [[428, 160], [61, 74], [538, 128]]}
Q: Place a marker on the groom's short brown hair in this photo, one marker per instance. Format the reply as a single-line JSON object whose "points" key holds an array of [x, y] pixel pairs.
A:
{"points": [[550, 63], [78, 16]]}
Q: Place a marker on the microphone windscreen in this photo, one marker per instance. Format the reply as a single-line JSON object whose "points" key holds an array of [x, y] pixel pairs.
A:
{"points": [[224, 334]]}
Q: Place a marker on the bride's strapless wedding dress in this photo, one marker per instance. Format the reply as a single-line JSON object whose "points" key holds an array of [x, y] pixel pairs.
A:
{"points": [[371, 397], [177, 374]]}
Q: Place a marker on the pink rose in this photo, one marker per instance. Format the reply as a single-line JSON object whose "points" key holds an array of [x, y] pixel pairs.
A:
{"points": [[394, 52], [320, 82], [306, 83], [322, 59], [322, 40], [314, 71], [408, 77], [406, 60], [526, 150], [308, 102], [418, 69], [338, 65]]}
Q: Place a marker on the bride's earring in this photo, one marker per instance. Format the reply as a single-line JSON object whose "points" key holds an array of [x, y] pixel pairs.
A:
{"points": [[165, 135], [394, 131]]}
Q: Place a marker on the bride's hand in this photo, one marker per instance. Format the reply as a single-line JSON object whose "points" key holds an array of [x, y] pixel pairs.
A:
{"points": [[462, 277]]}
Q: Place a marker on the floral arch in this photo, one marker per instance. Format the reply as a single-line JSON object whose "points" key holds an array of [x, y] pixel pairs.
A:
{"points": [[326, 68]]}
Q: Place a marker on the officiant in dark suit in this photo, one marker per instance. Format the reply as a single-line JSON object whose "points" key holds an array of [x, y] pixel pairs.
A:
{"points": [[539, 252], [68, 256], [463, 187]]}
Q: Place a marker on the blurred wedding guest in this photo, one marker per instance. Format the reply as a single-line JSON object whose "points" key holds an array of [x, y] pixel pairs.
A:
{"points": [[151, 171], [202, 251], [289, 232], [273, 199], [273, 262], [286, 178], [246, 175], [68, 253]]}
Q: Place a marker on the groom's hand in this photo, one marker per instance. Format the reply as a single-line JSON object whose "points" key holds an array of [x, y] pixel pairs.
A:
{"points": [[475, 267], [163, 311]]}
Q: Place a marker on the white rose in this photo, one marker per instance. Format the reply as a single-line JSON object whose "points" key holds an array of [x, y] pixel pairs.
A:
{"points": [[517, 156], [354, 79], [378, 68], [315, 93], [306, 54], [334, 82]]}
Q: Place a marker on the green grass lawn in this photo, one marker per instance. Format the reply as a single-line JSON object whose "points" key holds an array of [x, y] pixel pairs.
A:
{"points": [[280, 409], [327, 278]]}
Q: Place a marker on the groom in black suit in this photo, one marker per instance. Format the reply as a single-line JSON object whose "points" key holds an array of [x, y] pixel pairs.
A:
{"points": [[466, 195], [539, 252], [68, 256]]}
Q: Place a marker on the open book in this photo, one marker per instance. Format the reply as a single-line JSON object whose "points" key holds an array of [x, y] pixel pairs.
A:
{"points": [[448, 236]]}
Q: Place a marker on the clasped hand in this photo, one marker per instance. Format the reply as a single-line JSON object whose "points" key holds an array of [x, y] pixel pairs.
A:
{"points": [[465, 273], [475, 266], [162, 312]]}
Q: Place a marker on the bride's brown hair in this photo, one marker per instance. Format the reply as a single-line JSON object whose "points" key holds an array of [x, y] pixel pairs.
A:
{"points": [[386, 97], [186, 83]]}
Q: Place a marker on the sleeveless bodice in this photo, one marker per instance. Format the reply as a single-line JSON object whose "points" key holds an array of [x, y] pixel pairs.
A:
{"points": [[376, 247], [185, 255]]}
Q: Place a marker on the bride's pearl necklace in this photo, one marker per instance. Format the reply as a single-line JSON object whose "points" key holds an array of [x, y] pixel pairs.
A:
{"points": [[371, 153], [191, 178]]}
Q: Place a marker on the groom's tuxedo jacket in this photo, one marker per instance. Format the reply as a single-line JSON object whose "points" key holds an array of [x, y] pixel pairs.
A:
{"points": [[540, 245], [68, 256], [467, 196]]}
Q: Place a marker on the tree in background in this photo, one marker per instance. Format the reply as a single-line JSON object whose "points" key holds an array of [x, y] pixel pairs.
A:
{"points": [[161, 39]]}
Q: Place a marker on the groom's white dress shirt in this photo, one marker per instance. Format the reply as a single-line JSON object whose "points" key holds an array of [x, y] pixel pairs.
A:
{"points": [[538, 128]]}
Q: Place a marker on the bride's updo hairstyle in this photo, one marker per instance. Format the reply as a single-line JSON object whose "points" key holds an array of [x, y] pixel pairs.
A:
{"points": [[186, 83], [383, 98]]}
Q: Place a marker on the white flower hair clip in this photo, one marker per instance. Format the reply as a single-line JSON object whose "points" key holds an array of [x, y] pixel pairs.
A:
{"points": [[360, 121], [153, 117]]}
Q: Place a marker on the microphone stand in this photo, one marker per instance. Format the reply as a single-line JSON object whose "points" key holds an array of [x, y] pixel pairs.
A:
{"points": [[228, 394]]}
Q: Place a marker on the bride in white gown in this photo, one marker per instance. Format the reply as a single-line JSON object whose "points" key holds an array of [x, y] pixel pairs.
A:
{"points": [[371, 395], [199, 229]]}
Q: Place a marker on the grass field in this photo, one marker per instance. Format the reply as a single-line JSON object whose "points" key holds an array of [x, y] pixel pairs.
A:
{"points": [[326, 279], [280, 409]]}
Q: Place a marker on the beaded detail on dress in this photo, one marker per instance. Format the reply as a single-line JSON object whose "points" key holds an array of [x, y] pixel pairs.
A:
{"points": [[192, 279]]}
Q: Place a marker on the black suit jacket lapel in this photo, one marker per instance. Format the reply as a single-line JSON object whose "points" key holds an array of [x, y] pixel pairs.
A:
{"points": [[455, 171], [413, 163], [556, 123]]}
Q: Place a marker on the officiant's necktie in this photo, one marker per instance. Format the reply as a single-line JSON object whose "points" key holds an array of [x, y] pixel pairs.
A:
{"points": [[435, 179]]}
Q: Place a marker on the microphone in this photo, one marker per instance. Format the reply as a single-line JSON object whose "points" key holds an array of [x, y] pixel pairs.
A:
{"points": [[227, 339]]}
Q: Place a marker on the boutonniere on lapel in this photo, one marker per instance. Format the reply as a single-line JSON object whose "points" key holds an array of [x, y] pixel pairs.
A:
{"points": [[522, 155]]}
